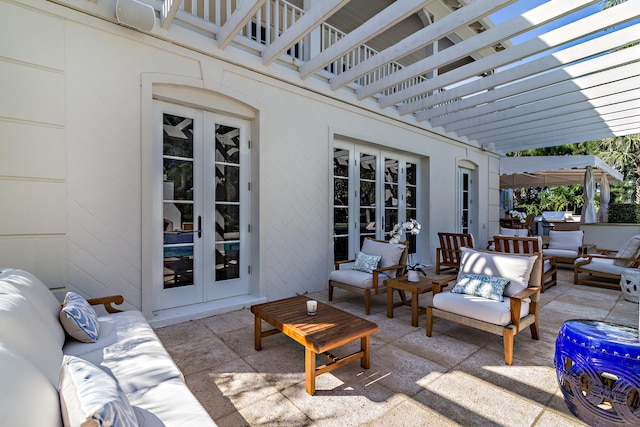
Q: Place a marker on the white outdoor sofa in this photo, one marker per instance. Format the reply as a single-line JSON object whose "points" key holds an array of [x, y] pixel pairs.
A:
{"points": [[47, 377]]}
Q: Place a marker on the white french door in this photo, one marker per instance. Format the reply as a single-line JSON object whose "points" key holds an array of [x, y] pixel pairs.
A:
{"points": [[373, 191], [201, 166]]}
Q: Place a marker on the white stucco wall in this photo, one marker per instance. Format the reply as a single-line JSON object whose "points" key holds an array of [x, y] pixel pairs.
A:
{"points": [[72, 124]]}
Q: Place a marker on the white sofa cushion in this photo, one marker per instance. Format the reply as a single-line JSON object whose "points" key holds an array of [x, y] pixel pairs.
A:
{"points": [[566, 240], [630, 249], [90, 397], [390, 253], [516, 269], [38, 294], [24, 331], [28, 398], [78, 318], [129, 350], [356, 278], [486, 310]]}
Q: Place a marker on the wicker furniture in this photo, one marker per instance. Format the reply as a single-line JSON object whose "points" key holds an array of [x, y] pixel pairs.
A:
{"points": [[425, 284], [506, 318], [392, 264], [327, 329], [530, 245], [449, 253], [604, 269]]}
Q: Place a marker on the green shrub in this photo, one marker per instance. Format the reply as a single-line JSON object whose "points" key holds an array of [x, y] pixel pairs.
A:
{"points": [[628, 213]]}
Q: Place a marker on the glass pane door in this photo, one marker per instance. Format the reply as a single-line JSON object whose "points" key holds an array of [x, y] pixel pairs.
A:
{"points": [[367, 191], [391, 195], [341, 204]]}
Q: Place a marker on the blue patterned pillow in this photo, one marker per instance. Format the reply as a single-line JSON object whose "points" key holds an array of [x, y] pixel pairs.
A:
{"points": [[90, 396], [78, 318], [366, 263], [490, 287]]}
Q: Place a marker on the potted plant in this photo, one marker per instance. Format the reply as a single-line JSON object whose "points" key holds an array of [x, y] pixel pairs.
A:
{"points": [[410, 227]]}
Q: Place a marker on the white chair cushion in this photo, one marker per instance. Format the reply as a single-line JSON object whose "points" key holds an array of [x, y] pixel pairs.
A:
{"points": [[602, 265], [29, 398], [630, 249], [486, 310], [356, 278], [390, 253], [515, 268], [561, 253], [567, 240], [546, 266], [518, 232]]}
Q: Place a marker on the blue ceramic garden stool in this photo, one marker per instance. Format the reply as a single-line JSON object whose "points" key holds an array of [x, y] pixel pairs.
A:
{"points": [[598, 370]]}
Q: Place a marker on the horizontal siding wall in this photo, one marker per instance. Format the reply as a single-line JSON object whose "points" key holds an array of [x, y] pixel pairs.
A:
{"points": [[32, 144], [87, 121]]}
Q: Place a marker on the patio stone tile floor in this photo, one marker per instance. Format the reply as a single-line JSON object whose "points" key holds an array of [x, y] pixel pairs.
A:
{"points": [[456, 377]]}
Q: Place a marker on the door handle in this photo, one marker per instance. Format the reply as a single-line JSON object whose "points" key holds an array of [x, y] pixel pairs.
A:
{"points": [[199, 226]]}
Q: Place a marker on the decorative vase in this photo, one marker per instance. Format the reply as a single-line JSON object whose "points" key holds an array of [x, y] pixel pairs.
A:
{"points": [[413, 276]]}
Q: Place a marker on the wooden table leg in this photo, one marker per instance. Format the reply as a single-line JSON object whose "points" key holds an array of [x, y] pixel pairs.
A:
{"points": [[390, 303], [414, 309], [365, 344], [257, 334], [310, 370]]}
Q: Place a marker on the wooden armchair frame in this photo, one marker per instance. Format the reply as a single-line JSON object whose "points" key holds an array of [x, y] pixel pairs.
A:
{"points": [[448, 255], [517, 324], [582, 267], [529, 246], [376, 287]]}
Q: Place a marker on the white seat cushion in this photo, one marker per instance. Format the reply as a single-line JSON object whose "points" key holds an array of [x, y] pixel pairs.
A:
{"points": [[356, 278], [515, 268], [486, 310], [129, 350], [602, 265], [560, 253]]}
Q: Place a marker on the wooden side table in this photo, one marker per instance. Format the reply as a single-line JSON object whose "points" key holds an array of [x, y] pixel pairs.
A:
{"points": [[425, 284]]}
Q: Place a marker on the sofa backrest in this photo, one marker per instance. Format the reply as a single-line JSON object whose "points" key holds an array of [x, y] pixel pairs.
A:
{"points": [[38, 294], [519, 269]]}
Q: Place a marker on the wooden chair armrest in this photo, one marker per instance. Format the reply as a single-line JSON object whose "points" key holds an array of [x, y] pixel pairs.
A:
{"points": [[107, 301], [438, 286], [550, 258], [603, 251], [591, 256], [337, 264], [526, 293]]}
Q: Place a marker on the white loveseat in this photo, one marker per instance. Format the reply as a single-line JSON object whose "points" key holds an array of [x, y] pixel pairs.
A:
{"points": [[45, 374]]}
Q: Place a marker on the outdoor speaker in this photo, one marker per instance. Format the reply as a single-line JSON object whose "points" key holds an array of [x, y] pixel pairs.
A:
{"points": [[136, 15]]}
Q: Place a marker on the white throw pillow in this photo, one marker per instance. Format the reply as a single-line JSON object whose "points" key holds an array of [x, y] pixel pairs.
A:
{"points": [[91, 397]]}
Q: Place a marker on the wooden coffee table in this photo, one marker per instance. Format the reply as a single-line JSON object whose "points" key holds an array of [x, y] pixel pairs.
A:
{"points": [[425, 284], [328, 329]]}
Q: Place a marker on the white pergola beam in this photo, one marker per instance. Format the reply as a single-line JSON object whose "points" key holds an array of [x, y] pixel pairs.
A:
{"points": [[589, 25], [237, 20], [463, 108], [428, 35], [311, 19], [515, 26], [384, 20]]}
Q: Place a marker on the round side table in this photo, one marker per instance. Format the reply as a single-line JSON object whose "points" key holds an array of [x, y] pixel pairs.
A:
{"points": [[598, 370]]}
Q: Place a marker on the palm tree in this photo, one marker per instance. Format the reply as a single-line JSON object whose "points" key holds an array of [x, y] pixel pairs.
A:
{"points": [[621, 152]]}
